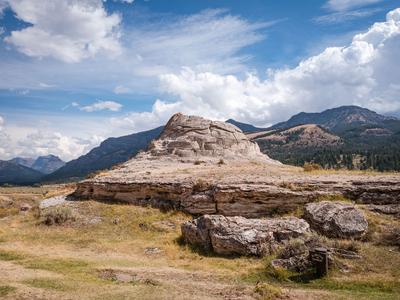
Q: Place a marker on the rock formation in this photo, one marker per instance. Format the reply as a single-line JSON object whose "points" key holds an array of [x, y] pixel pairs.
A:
{"points": [[193, 137], [241, 236], [207, 167], [336, 219]]}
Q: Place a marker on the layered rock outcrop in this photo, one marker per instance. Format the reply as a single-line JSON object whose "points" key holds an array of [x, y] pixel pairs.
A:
{"points": [[208, 167], [336, 219], [241, 236], [193, 137]]}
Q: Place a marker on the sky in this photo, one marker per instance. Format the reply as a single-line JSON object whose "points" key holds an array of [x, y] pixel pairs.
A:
{"points": [[75, 72]]}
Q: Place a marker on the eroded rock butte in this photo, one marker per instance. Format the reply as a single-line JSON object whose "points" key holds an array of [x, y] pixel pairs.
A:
{"points": [[209, 167]]}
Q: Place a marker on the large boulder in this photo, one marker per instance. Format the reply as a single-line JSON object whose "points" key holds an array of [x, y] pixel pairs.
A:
{"points": [[241, 236], [336, 219]]}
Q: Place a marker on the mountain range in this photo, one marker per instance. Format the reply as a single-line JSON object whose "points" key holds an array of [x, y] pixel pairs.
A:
{"points": [[344, 137], [110, 152], [22, 170]]}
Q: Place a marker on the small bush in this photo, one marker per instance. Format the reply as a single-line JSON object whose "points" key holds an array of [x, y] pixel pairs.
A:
{"points": [[57, 216], [293, 248], [391, 237], [198, 162], [267, 291], [346, 245], [308, 167], [201, 185], [276, 273], [221, 162]]}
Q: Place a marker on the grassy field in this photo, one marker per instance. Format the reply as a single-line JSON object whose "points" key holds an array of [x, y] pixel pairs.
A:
{"points": [[118, 251]]}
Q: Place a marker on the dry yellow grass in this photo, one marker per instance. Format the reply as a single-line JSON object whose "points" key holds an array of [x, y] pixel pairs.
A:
{"points": [[64, 262]]}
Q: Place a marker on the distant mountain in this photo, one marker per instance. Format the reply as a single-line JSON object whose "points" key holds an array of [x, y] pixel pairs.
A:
{"points": [[44, 164], [338, 119], [110, 152], [367, 140], [12, 173], [47, 164], [247, 128], [26, 162]]}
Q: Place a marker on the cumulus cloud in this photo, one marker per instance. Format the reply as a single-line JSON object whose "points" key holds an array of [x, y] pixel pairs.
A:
{"points": [[364, 73], [45, 142], [343, 5], [65, 30], [99, 105]]}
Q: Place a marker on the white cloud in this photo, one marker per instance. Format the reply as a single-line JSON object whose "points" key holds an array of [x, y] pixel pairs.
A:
{"points": [[99, 105], [45, 142], [211, 40], [65, 30], [3, 6], [365, 73], [343, 16], [125, 1], [120, 89], [344, 5]]}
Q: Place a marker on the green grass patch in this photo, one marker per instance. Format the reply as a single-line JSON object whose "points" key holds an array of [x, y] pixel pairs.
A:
{"points": [[6, 289], [10, 255], [48, 284], [63, 266], [367, 287]]}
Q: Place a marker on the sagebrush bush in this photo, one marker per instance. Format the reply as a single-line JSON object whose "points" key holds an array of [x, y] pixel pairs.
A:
{"points": [[308, 167], [267, 291], [293, 248], [201, 185], [391, 237], [57, 216]]}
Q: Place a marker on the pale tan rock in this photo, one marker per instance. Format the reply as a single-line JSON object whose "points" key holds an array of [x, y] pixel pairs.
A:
{"points": [[247, 184], [336, 219], [238, 235], [192, 137]]}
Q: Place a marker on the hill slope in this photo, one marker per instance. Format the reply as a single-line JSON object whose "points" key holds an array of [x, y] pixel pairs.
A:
{"points": [[338, 119], [247, 128], [368, 140], [12, 173], [110, 152], [47, 164]]}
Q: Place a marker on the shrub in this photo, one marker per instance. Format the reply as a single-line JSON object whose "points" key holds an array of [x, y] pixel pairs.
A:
{"points": [[391, 237], [221, 162], [197, 162], [308, 167], [201, 185], [57, 216], [276, 273], [267, 291], [293, 248], [346, 245]]}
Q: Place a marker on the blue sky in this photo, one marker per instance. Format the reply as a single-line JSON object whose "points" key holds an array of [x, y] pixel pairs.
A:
{"points": [[73, 73]]}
